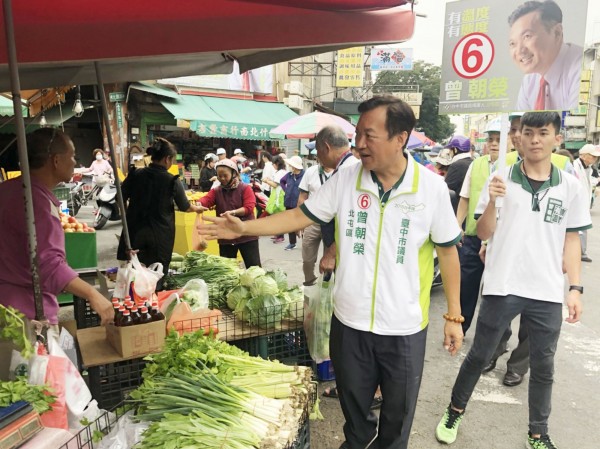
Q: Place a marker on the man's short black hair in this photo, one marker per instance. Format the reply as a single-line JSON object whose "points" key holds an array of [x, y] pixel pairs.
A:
{"points": [[541, 119], [399, 117], [550, 12]]}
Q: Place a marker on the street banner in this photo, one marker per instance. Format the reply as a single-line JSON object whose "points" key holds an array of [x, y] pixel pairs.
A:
{"points": [[349, 67], [512, 55], [392, 58]]}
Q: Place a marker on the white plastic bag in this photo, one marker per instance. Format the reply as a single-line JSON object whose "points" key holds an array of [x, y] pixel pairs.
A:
{"points": [[124, 279], [317, 316], [146, 278]]}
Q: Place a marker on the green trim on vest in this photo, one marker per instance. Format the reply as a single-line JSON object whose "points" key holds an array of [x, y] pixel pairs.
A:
{"points": [[557, 159], [479, 175]]}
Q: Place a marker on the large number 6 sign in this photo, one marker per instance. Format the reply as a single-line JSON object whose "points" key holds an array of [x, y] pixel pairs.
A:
{"points": [[473, 55]]}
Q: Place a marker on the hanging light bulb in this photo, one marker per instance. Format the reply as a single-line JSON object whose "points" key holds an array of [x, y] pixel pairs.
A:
{"points": [[43, 121], [78, 105]]}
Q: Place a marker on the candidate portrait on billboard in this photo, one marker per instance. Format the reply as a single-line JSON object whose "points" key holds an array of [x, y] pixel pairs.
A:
{"points": [[507, 55], [552, 67]]}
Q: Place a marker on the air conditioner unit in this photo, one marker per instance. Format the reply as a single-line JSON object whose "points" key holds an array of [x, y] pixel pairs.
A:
{"points": [[295, 102], [296, 88], [286, 87]]}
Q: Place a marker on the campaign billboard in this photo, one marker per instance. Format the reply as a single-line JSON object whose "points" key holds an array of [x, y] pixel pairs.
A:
{"points": [[512, 55]]}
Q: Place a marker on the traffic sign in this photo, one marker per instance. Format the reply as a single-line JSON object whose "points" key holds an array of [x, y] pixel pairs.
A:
{"points": [[116, 96]]}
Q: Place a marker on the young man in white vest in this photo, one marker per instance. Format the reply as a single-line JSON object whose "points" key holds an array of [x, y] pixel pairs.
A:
{"points": [[530, 238], [390, 214]]}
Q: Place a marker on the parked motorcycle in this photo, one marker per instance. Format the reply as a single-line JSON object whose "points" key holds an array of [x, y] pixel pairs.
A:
{"points": [[261, 198], [108, 209]]}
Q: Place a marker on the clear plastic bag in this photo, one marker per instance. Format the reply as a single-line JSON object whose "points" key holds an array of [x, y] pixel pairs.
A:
{"points": [[317, 318]]}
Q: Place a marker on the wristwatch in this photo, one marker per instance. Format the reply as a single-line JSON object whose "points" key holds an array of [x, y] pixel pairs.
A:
{"points": [[579, 288]]}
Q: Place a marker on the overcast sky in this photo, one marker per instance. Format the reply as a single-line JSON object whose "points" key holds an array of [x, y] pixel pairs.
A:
{"points": [[428, 39]]}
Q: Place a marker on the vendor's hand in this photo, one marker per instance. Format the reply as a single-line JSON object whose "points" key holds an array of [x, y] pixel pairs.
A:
{"points": [[453, 337], [213, 179], [482, 252], [131, 252], [103, 307], [497, 188], [327, 263], [575, 306], [226, 227], [198, 209]]}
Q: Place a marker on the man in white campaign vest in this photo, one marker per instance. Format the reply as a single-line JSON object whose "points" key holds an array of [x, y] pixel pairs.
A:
{"points": [[390, 212]]}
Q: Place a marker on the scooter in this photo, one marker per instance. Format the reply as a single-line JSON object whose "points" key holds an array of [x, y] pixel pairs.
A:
{"points": [[108, 209]]}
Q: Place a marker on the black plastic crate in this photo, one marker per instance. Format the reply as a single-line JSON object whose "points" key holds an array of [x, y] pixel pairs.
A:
{"points": [[111, 383], [287, 347], [303, 438], [87, 438], [84, 315]]}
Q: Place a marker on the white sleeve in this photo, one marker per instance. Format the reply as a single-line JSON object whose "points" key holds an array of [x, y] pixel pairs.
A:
{"points": [[278, 175], [321, 207], [465, 191], [578, 211], [304, 182], [444, 228], [484, 198]]}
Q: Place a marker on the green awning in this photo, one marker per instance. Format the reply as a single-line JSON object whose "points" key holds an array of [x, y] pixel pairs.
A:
{"points": [[154, 89], [6, 107], [574, 144], [227, 117]]}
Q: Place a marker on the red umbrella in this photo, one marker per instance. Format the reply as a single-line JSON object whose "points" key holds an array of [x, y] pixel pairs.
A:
{"points": [[418, 139], [58, 40]]}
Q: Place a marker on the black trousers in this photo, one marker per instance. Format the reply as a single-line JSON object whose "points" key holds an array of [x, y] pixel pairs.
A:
{"points": [[364, 360], [248, 250], [471, 271]]}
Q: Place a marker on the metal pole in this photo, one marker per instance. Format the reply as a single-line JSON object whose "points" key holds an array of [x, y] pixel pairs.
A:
{"points": [[15, 86], [113, 159]]}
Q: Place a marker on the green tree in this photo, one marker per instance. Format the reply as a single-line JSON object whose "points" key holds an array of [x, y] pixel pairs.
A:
{"points": [[427, 77]]}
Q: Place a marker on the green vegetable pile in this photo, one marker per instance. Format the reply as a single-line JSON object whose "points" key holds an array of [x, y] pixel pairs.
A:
{"points": [[39, 396], [12, 327], [263, 298], [200, 392], [221, 274]]}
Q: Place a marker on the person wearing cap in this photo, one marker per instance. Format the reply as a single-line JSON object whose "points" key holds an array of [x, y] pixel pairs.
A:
{"points": [[442, 161], [532, 241], [208, 174], [471, 266], [233, 197], [588, 156], [238, 152], [221, 153], [389, 211], [290, 184], [461, 159]]}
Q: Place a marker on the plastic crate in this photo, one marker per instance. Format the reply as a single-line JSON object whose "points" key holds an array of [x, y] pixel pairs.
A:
{"points": [[62, 193], [86, 437], [303, 438], [80, 248], [111, 383], [84, 315], [325, 371], [287, 347]]}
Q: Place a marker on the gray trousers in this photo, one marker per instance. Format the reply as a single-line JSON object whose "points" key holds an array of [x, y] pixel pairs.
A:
{"points": [[311, 240], [543, 320], [362, 361], [519, 358]]}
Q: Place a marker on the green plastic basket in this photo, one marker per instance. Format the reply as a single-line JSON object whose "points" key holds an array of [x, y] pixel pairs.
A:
{"points": [[62, 193]]}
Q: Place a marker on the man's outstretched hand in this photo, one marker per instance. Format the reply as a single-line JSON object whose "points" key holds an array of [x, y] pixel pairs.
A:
{"points": [[225, 227]]}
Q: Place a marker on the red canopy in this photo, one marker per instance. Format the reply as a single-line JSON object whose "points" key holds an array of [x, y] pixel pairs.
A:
{"points": [[58, 40]]}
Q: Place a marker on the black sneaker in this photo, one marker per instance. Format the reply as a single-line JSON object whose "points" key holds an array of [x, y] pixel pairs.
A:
{"points": [[543, 442]]}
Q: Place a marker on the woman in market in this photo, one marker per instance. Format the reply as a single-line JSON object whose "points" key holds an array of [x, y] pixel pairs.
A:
{"points": [[152, 193], [208, 174], [51, 156], [233, 197], [290, 184], [100, 166], [274, 182]]}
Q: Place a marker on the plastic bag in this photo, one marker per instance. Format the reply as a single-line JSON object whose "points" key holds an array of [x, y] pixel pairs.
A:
{"points": [[317, 318], [126, 434], [146, 278], [123, 281], [275, 203], [199, 243]]}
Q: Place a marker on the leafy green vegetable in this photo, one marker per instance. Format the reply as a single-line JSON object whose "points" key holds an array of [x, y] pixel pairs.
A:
{"points": [[236, 295], [39, 396], [12, 327], [280, 277], [264, 285], [248, 277], [265, 310]]}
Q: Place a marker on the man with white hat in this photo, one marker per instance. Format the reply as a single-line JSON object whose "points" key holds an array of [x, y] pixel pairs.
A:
{"points": [[238, 152], [290, 184], [588, 156], [221, 154]]}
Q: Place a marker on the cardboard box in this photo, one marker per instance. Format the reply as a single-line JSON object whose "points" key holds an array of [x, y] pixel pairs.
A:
{"points": [[140, 339]]}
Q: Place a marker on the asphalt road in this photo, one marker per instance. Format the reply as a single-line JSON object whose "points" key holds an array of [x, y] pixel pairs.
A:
{"points": [[497, 416]]}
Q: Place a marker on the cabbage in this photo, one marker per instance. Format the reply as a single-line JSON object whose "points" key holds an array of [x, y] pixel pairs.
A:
{"points": [[247, 277], [236, 295], [264, 311], [280, 277], [264, 285]]}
